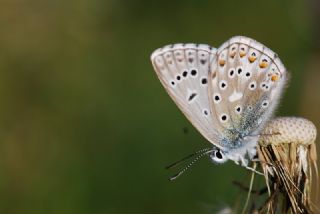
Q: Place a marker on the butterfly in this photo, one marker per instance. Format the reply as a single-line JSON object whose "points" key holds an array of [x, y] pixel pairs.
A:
{"points": [[228, 94]]}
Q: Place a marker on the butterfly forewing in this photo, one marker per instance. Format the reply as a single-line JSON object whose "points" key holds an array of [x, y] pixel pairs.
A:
{"points": [[183, 69], [246, 81]]}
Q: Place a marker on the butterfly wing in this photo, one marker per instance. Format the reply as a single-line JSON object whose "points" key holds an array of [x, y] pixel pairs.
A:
{"points": [[183, 70], [246, 82]]}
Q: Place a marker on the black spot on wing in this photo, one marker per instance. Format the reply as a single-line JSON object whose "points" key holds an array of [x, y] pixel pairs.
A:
{"points": [[192, 96]]}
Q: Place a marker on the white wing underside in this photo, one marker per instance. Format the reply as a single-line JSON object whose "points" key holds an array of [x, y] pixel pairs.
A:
{"points": [[248, 78], [183, 70], [194, 75]]}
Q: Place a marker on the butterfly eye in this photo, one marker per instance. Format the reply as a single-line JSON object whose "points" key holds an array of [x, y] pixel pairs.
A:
{"points": [[217, 156]]}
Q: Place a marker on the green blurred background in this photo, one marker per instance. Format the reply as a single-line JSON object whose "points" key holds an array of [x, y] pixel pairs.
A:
{"points": [[85, 125]]}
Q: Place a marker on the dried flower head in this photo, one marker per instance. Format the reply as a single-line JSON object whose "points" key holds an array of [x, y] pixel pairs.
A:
{"points": [[287, 154]]}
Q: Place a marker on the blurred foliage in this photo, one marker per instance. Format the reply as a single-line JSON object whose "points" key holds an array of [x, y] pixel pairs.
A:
{"points": [[86, 126]]}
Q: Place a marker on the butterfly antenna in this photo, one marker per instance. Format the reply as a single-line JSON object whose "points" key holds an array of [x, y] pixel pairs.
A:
{"points": [[186, 158], [189, 165]]}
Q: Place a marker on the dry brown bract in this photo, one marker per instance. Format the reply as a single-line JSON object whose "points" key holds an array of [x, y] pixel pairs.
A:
{"points": [[287, 154]]}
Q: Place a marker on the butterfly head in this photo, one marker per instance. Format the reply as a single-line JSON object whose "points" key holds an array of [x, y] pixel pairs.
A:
{"points": [[218, 156]]}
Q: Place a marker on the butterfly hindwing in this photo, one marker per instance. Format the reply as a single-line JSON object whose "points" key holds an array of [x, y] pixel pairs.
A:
{"points": [[183, 70], [247, 79]]}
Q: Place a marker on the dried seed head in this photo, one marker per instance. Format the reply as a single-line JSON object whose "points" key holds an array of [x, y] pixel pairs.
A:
{"points": [[284, 130]]}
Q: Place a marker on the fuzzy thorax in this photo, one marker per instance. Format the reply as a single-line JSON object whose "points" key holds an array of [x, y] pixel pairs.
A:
{"points": [[240, 155], [244, 154]]}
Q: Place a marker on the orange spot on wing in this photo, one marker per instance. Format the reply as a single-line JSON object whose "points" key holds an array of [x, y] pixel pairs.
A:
{"points": [[263, 64], [252, 58], [242, 53], [274, 78], [222, 62]]}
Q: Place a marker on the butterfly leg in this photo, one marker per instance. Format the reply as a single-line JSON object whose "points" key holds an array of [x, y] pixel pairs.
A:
{"points": [[245, 162], [253, 170], [257, 160]]}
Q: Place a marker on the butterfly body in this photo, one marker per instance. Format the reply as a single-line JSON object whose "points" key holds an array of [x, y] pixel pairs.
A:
{"points": [[228, 93]]}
